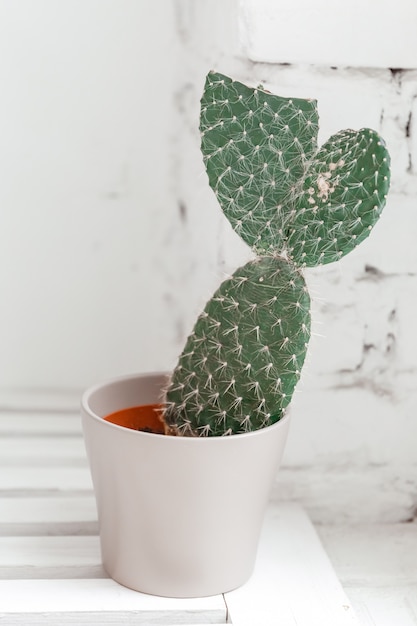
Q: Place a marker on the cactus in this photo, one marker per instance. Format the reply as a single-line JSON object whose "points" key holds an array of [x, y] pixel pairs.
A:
{"points": [[296, 206], [241, 362]]}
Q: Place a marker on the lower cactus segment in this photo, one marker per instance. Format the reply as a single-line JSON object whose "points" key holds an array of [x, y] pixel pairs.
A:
{"points": [[241, 363]]}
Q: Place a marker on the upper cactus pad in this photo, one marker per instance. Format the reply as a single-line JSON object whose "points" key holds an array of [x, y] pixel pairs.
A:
{"points": [[256, 148]]}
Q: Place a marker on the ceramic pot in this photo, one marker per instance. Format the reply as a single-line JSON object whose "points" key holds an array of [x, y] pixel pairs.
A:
{"points": [[178, 516]]}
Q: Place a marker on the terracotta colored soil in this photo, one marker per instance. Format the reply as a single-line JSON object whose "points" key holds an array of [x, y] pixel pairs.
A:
{"points": [[145, 418]]}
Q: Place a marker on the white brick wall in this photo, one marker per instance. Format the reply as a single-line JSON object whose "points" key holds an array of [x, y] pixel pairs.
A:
{"points": [[352, 451], [363, 33]]}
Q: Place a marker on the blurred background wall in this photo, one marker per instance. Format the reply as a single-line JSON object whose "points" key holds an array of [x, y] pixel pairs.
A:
{"points": [[111, 240]]}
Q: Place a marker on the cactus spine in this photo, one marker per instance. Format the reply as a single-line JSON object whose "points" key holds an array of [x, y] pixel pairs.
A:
{"points": [[296, 206]]}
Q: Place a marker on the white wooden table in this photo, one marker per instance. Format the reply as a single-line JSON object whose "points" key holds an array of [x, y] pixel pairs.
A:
{"points": [[50, 569]]}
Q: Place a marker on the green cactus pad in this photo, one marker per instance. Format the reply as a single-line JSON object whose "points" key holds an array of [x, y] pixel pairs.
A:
{"points": [[240, 365], [256, 148], [344, 192]]}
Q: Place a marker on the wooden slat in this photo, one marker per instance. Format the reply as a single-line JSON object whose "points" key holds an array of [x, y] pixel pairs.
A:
{"points": [[294, 583], [27, 480], [62, 515], [48, 510], [115, 618], [37, 424], [42, 451], [50, 557], [99, 602], [40, 401]]}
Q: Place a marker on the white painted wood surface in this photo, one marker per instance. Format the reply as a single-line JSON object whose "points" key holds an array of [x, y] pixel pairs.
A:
{"points": [[294, 582], [378, 568], [50, 557], [92, 601]]}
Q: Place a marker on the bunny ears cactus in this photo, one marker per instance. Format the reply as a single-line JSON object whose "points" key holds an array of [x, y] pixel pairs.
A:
{"points": [[296, 205]]}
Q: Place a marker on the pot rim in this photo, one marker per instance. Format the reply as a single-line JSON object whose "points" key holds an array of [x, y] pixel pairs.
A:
{"points": [[138, 433]]}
